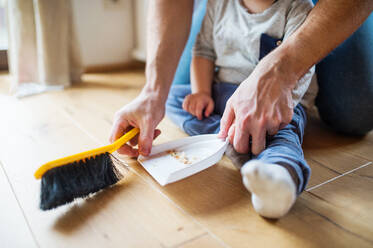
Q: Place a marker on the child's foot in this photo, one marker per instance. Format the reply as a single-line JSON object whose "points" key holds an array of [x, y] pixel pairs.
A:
{"points": [[273, 191], [238, 159]]}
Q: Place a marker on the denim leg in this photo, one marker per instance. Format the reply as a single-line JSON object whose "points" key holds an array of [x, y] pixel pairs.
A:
{"points": [[221, 92], [285, 148], [345, 77], [187, 122]]}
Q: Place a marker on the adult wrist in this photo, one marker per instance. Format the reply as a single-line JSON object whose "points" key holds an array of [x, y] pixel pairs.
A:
{"points": [[291, 62], [158, 81], [157, 91], [284, 66]]}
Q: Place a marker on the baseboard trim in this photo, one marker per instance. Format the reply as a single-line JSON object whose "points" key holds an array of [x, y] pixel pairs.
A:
{"points": [[3, 60], [131, 65]]}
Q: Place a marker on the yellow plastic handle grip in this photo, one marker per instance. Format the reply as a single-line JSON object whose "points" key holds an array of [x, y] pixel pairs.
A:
{"points": [[87, 154]]}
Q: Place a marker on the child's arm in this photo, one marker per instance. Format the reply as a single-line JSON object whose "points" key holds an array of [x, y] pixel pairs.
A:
{"points": [[201, 75], [200, 103], [202, 72]]}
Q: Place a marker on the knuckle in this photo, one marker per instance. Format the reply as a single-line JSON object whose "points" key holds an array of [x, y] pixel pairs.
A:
{"points": [[245, 122], [262, 122], [276, 123], [147, 120]]}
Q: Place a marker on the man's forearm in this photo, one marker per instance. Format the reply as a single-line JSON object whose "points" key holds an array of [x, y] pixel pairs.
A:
{"points": [[168, 26], [328, 25]]}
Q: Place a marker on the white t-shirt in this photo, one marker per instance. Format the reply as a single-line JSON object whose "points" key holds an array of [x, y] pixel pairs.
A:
{"points": [[231, 37]]}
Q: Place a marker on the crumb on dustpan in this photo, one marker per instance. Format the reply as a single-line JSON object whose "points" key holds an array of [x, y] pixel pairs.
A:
{"points": [[181, 157]]}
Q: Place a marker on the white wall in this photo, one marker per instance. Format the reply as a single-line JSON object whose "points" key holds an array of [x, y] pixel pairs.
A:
{"points": [[105, 30], [140, 29]]}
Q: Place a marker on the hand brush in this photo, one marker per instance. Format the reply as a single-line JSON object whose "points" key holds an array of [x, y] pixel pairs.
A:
{"points": [[79, 175]]}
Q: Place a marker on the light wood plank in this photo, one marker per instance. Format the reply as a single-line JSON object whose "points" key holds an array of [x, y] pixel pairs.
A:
{"points": [[4, 82], [205, 241], [215, 197], [319, 172], [339, 152], [131, 215], [347, 203], [14, 231]]}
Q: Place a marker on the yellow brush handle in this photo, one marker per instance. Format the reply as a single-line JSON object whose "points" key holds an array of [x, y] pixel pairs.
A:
{"points": [[87, 154]]}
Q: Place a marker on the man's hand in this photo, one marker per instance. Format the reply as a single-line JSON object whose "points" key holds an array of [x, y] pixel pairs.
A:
{"points": [[144, 112], [261, 104], [199, 104]]}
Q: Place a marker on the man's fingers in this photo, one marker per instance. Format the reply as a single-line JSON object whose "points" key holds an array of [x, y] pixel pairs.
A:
{"points": [[146, 139], [157, 132], [241, 141], [258, 141], [226, 121], [118, 129], [128, 150], [231, 133], [135, 140], [209, 108]]}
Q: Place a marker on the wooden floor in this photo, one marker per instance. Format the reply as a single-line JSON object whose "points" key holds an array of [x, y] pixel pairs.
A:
{"points": [[210, 209]]}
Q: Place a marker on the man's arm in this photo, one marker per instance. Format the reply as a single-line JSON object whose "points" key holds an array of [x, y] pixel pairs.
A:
{"points": [[262, 103], [168, 28], [329, 23]]}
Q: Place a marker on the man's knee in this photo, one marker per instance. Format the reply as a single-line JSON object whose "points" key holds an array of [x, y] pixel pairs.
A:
{"points": [[352, 118], [345, 99]]}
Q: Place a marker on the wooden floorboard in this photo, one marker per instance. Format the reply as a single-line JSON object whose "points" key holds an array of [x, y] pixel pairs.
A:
{"points": [[347, 203], [210, 209], [133, 213], [14, 229], [205, 241], [216, 194]]}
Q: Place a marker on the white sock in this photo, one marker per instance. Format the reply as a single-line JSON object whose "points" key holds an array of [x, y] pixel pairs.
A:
{"points": [[273, 191]]}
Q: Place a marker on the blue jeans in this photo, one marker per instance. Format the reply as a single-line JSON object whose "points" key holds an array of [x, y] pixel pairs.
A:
{"points": [[284, 148], [345, 77]]}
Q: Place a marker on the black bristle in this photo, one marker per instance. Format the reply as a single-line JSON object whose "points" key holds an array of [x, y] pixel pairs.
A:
{"points": [[63, 184]]}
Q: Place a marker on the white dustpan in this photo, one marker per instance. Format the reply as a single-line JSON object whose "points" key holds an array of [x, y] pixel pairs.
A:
{"points": [[175, 160]]}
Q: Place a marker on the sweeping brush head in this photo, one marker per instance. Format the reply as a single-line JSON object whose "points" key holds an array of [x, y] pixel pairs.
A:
{"points": [[63, 184], [78, 175]]}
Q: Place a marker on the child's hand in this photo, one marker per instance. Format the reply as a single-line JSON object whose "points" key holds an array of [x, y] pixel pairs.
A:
{"points": [[198, 103]]}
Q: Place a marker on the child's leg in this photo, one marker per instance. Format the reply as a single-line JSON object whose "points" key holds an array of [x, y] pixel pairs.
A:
{"points": [[280, 172], [187, 122]]}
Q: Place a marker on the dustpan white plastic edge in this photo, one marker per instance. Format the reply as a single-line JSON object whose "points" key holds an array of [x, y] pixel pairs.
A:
{"points": [[198, 167], [179, 142], [176, 143]]}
